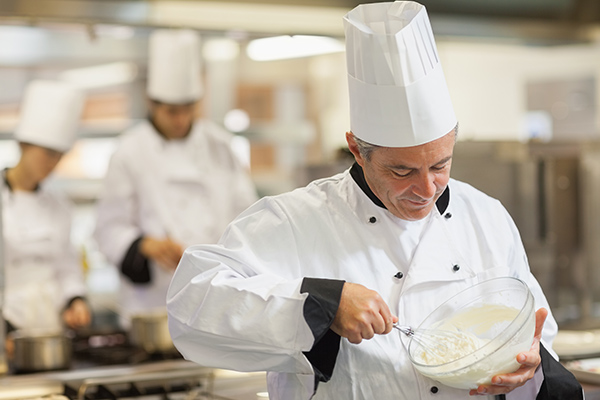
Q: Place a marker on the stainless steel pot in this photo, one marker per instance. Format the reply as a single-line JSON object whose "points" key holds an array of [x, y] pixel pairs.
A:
{"points": [[36, 351], [150, 331]]}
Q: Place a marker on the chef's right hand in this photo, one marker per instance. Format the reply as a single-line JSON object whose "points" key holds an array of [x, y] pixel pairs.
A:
{"points": [[362, 313], [165, 252]]}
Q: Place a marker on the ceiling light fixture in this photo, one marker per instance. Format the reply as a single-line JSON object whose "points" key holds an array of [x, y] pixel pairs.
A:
{"points": [[286, 47]]}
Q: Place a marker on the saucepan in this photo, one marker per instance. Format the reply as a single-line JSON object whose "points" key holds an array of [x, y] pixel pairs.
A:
{"points": [[40, 350], [150, 331]]}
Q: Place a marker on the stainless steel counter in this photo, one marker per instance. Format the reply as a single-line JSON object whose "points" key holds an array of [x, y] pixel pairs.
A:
{"points": [[161, 376], [29, 389], [201, 382]]}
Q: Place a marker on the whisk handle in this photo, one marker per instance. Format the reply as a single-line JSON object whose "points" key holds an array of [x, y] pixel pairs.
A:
{"points": [[407, 330]]}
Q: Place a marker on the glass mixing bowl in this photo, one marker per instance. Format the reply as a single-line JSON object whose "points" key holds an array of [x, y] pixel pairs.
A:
{"points": [[499, 312]]}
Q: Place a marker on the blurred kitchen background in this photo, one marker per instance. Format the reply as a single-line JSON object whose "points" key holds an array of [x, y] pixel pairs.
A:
{"points": [[523, 75]]}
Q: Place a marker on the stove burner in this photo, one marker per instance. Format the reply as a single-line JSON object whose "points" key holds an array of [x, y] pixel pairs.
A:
{"points": [[160, 380], [113, 349], [133, 391], [106, 366]]}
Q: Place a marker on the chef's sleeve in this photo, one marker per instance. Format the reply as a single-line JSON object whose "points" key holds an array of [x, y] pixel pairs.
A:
{"points": [[68, 268], [559, 383], [135, 265], [320, 309], [116, 230]]}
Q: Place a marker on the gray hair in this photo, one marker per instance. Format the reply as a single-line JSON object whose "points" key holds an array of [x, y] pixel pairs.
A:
{"points": [[366, 149]]}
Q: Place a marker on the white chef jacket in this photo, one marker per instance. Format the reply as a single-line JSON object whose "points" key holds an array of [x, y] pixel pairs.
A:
{"points": [[187, 189], [238, 304], [42, 269]]}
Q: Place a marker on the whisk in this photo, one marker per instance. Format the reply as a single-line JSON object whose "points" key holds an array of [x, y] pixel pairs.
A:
{"points": [[438, 346]]}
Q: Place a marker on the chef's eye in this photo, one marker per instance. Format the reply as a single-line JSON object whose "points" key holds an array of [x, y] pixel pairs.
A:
{"points": [[402, 174]]}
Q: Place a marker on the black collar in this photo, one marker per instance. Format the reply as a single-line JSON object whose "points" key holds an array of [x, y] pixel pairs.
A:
{"points": [[359, 177]]}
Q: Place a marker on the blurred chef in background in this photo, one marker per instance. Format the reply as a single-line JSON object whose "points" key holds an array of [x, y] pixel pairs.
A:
{"points": [[44, 281], [173, 181]]}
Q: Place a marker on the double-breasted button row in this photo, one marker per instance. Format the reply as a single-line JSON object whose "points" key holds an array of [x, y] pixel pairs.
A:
{"points": [[400, 275]]}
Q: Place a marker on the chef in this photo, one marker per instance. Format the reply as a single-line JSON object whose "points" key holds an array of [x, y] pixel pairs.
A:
{"points": [[172, 182], [44, 287], [306, 285]]}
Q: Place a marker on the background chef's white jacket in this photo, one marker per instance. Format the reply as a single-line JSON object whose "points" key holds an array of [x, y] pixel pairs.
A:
{"points": [[43, 270], [187, 190], [238, 304]]}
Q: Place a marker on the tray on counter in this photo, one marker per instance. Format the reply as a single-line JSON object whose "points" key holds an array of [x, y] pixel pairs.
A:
{"points": [[576, 345], [587, 370]]}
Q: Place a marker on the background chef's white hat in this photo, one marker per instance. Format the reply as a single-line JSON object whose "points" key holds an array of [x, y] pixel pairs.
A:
{"points": [[50, 113], [398, 93], [174, 66]]}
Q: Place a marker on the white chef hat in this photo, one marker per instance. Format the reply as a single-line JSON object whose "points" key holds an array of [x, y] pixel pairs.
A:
{"points": [[50, 114], [398, 93], [174, 66]]}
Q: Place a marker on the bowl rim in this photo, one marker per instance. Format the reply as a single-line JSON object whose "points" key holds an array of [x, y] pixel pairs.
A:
{"points": [[529, 299]]}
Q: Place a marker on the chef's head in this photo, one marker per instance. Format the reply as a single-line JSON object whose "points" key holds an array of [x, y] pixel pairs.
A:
{"points": [[174, 84], [403, 125], [48, 123]]}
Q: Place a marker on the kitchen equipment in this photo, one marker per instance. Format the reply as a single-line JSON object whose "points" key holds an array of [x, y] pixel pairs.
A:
{"points": [[587, 371], [161, 380], [574, 345], [150, 331], [499, 313], [39, 350], [31, 390]]}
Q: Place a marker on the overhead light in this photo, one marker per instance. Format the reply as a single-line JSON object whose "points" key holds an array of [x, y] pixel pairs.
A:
{"points": [[101, 75], [284, 47], [22, 44], [120, 32]]}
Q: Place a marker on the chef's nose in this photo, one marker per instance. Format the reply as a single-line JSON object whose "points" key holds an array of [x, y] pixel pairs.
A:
{"points": [[424, 185]]}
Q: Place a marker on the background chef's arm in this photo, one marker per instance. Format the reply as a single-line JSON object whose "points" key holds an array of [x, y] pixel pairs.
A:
{"points": [[70, 275], [69, 272], [117, 232], [135, 265]]}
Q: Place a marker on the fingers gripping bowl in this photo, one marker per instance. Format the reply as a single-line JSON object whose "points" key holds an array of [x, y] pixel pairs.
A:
{"points": [[498, 315]]}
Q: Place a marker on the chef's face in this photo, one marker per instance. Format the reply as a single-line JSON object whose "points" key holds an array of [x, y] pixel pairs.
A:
{"points": [[408, 180], [173, 120], [38, 161]]}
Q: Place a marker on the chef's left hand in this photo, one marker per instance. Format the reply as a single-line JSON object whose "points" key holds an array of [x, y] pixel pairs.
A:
{"points": [[529, 361], [77, 315]]}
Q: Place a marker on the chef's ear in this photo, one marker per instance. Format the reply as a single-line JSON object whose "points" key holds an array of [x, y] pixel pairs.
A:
{"points": [[353, 147]]}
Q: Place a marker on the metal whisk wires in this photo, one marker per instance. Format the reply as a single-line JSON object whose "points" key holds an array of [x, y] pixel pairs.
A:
{"points": [[434, 347]]}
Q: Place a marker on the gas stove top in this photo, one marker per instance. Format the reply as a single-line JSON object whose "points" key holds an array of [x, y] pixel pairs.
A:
{"points": [[105, 366], [112, 348], [157, 380]]}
